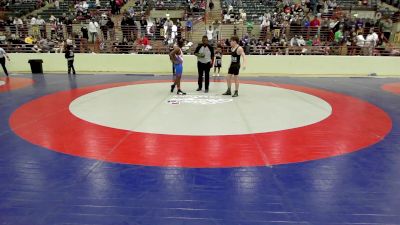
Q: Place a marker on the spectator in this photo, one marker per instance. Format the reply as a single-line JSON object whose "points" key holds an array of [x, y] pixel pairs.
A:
{"points": [[160, 4], [387, 25], [360, 43], [210, 34], [315, 22], [42, 26], [339, 35], [211, 5], [110, 26], [294, 41], [103, 26], [189, 25], [30, 40], [98, 4], [144, 42], [93, 25], [316, 41]]}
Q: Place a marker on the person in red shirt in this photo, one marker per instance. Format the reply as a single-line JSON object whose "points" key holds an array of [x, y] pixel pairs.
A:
{"points": [[315, 25], [144, 41], [315, 22]]}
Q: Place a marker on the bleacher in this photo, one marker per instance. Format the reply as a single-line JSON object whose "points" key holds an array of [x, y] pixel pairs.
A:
{"points": [[21, 8], [355, 4], [254, 9], [67, 5], [170, 5]]}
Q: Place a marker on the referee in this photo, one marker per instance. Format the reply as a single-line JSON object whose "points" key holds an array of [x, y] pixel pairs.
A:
{"points": [[205, 57], [3, 56]]}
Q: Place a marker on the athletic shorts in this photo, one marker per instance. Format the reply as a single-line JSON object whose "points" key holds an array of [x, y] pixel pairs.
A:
{"points": [[234, 69], [178, 69], [218, 63]]}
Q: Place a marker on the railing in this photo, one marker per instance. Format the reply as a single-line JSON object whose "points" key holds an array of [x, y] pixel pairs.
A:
{"points": [[272, 50]]}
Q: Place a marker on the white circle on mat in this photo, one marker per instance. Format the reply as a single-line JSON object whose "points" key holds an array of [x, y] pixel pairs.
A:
{"points": [[147, 108]]}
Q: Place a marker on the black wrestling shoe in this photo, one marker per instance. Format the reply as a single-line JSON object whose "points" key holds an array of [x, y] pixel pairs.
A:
{"points": [[236, 94], [179, 92], [172, 88], [198, 89], [228, 92]]}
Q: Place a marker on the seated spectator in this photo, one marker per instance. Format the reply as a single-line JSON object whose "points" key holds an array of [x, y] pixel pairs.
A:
{"points": [[316, 41], [98, 4], [227, 18], [301, 41], [30, 40], [294, 41], [144, 42], [160, 3]]}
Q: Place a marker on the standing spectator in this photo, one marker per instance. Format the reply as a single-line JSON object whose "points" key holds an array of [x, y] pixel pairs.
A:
{"points": [[98, 5], [210, 34], [143, 25], [211, 5], [84, 39], [3, 56], [124, 27], [339, 35], [42, 27], [205, 57], [35, 27], [110, 26], [189, 25], [103, 26], [387, 25], [360, 43], [57, 4], [371, 41], [93, 25], [68, 24], [218, 61], [217, 30], [69, 55]]}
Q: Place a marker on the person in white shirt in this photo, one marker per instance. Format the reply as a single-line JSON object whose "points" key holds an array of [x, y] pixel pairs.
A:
{"points": [[57, 4], [301, 41], [227, 18], [360, 43], [93, 25], [174, 31], [265, 24], [294, 41], [42, 26], [3, 56], [371, 41], [210, 34], [35, 27], [360, 40]]}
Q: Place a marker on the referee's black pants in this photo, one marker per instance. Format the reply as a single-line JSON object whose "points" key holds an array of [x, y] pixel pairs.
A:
{"points": [[203, 68], [71, 66], [3, 64]]}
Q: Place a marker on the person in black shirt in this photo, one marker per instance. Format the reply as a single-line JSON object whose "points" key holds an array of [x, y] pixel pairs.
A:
{"points": [[69, 55], [236, 53], [205, 58]]}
